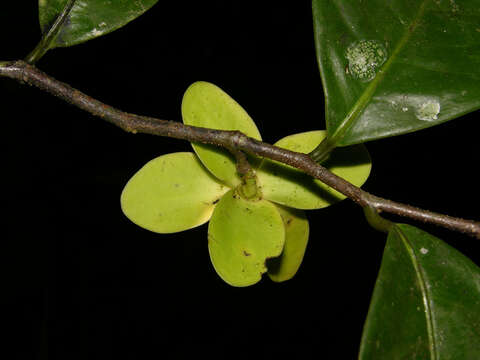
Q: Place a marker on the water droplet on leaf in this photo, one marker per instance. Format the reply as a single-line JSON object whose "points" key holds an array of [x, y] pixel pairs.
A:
{"points": [[365, 58], [428, 111]]}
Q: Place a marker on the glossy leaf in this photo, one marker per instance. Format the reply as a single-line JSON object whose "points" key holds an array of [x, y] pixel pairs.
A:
{"points": [[393, 67], [426, 302], [288, 186], [242, 235], [89, 19], [171, 193], [286, 265], [206, 105]]}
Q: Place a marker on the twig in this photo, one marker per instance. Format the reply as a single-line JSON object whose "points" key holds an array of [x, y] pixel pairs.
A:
{"points": [[23, 72]]}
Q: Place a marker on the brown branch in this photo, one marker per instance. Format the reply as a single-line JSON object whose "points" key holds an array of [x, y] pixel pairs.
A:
{"points": [[21, 71]]}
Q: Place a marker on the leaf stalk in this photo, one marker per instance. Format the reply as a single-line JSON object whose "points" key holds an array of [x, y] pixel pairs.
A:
{"points": [[376, 221], [322, 152], [47, 40]]}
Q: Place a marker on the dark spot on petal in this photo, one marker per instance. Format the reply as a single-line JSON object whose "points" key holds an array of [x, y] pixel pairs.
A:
{"points": [[246, 253]]}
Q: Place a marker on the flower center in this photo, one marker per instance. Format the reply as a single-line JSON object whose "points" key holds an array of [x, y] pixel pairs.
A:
{"points": [[249, 189]]}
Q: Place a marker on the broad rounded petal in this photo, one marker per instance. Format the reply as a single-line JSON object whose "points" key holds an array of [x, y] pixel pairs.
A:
{"points": [[286, 265], [242, 235], [288, 186], [171, 193], [206, 105]]}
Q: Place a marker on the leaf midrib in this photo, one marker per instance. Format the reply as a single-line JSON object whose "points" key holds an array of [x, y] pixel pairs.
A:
{"points": [[367, 95], [424, 290], [60, 20]]}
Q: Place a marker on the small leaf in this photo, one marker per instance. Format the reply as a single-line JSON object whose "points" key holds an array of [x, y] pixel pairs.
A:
{"points": [[89, 19], [206, 105], [426, 302], [171, 193], [394, 67], [286, 265], [288, 186], [242, 235]]}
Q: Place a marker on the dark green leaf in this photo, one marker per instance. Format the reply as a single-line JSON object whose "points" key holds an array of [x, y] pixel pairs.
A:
{"points": [[393, 67], [426, 302], [89, 19]]}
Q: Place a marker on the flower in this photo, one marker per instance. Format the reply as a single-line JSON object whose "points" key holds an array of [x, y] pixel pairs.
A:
{"points": [[257, 223]]}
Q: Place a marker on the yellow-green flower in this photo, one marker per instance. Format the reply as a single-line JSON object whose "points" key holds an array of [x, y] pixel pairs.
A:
{"points": [[179, 191]]}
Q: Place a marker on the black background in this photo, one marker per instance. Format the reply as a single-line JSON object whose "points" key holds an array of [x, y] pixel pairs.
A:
{"points": [[82, 282]]}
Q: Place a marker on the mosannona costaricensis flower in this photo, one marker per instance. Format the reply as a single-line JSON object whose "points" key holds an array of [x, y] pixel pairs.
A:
{"points": [[257, 224]]}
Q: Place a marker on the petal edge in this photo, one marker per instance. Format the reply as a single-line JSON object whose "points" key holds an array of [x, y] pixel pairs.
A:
{"points": [[288, 186], [242, 235], [206, 105], [171, 193]]}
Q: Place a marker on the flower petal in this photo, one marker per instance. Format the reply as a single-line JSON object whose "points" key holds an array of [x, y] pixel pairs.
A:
{"points": [[288, 186], [171, 193], [206, 105], [286, 265], [242, 235]]}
